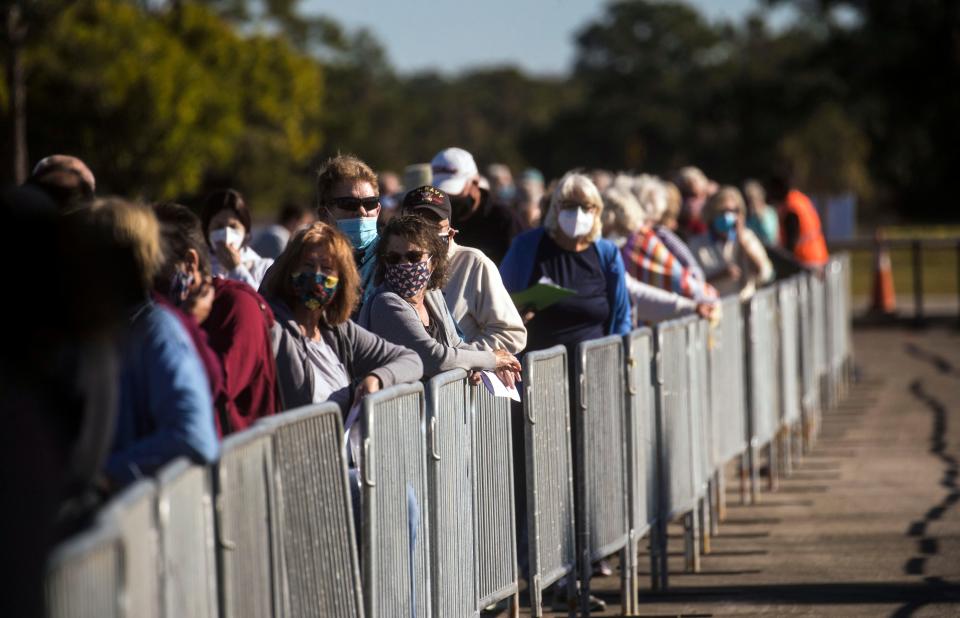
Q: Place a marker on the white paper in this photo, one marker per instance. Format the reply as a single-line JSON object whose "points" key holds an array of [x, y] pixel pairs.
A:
{"points": [[227, 236], [497, 388]]}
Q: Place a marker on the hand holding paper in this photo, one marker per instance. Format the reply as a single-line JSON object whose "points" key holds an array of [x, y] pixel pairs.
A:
{"points": [[497, 388]]}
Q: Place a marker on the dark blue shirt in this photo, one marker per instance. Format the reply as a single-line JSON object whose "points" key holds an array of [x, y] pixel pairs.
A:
{"points": [[575, 318]]}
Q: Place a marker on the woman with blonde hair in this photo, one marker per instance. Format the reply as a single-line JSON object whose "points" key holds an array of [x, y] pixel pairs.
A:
{"points": [[321, 354], [732, 257]]}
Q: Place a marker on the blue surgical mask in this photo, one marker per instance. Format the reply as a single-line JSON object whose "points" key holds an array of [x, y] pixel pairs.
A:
{"points": [[361, 231], [725, 224]]}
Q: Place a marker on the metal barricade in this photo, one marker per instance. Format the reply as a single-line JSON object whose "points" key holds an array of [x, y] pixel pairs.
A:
{"points": [[449, 461], [810, 398], [134, 513], [705, 451], [642, 458], [187, 541], [496, 532], [727, 385], [84, 574], [549, 472], [762, 384], [396, 542], [789, 328], [601, 462], [314, 549], [245, 520], [818, 310]]}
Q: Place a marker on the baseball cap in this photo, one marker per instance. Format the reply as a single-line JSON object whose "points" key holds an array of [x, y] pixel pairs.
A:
{"points": [[427, 198], [452, 169]]}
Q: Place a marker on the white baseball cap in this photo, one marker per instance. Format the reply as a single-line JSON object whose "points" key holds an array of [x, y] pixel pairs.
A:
{"points": [[452, 169]]}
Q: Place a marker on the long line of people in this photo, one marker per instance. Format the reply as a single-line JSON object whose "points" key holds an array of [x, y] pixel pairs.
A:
{"points": [[385, 289]]}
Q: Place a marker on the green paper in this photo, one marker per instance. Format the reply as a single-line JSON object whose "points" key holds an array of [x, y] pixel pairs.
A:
{"points": [[540, 296]]}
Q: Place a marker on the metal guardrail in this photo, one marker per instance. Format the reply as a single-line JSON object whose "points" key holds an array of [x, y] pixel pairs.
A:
{"points": [[763, 388], [314, 548], [449, 463], [395, 537], [494, 507], [727, 385], [245, 525], [187, 541], [84, 574], [549, 473], [134, 513]]}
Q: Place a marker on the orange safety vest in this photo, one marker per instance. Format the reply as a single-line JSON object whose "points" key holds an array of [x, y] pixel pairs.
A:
{"points": [[811, 247]]}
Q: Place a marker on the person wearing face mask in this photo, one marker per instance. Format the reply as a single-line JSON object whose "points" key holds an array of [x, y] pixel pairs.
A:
{"points": [[408, 307], [569, 252], [474, 292], [321, 354], [484, 223], [732, 257], [226, 226], [234, 320], [348, 198]]}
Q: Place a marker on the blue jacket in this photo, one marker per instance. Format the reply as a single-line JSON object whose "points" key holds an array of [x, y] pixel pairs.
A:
{"points": [[165, 409], [517, 268]]}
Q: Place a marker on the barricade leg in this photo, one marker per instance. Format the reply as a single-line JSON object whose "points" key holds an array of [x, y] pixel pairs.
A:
{"points": [[653, 538], [773, 472], [515, 605], [703, 512], [721, 496], [663, 555], [627, 580], [691, 541], [715, 485], [753, 472], [786, 450]]}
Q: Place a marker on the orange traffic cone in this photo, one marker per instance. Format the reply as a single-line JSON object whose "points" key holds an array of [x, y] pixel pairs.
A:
{"points": [[884, 299]]}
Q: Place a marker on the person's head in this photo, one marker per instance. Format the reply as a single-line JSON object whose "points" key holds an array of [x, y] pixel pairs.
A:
{"points": [[622, 215], [348, 197], [433, 205], [456, 174], [778, 186], [67, 180], [669, 217], [417, 175], [225, 219], [317, 271], [528, 198], [692, 182], [293, 216], [388, 183], [602, 179], [575, 208], [501, 181], [133, 234], [652, 197], [755, 196], [186, 261], [411, 256], [725, 212]]}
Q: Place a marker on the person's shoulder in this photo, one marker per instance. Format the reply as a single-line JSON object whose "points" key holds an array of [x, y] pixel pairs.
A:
{"points": [[529, 236], [471, 256], [164, 326]]}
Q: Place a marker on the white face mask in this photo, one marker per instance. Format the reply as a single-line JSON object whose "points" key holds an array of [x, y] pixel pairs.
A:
{"points": [[575, 223], [227, 236]]}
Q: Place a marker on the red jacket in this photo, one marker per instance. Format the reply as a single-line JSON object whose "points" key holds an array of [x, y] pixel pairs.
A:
{"points": [[239, 332]]}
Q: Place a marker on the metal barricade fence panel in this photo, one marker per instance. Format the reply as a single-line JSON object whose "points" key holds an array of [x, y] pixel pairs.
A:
{"points": [[396, 542], [699, 410], [809, 386], [727, 388], [678, 492], [84, 575], [245, 523], [789, 330], [496, 533], [818, 320], [601, 464], [314, 548], [642, 431], [134, 513], [449, 460], [764, 402], [187, 541], [549, 470]]}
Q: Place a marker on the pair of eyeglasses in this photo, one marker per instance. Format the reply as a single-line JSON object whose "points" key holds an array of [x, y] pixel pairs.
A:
{"points": [[412, 257], [575, 205], [356, 203]]}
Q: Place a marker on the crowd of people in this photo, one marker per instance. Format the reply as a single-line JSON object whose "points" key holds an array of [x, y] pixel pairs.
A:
{"points": [[172, 330]]}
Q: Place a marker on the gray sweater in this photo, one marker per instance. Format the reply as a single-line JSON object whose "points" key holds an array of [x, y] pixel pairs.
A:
{"points": [[393, 318], [360, 351]]}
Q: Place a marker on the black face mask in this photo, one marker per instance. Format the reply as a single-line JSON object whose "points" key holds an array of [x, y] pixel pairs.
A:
{"points": [[461, 205]]}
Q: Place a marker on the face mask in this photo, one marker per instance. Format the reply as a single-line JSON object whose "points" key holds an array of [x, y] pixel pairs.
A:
{"points": [[575, 223], [726, 224], [180, 285], [361, 231], [316, 290], [227, 236], [406, 280]]}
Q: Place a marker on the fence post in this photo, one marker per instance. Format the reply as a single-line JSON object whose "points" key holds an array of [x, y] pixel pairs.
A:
{"points": [[916, 249]]}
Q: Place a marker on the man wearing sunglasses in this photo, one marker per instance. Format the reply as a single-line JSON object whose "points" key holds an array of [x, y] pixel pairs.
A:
{"points": [[348, 198]]}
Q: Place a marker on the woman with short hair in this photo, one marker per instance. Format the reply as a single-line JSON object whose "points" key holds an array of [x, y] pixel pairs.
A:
{"points": [[226, 227], [321, 354], [408, 307]]}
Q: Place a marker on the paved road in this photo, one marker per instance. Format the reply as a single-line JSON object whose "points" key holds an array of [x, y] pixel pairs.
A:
{"points": [[868, 525]]}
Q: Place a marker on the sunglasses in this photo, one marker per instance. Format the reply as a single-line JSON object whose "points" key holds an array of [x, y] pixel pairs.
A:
{"points": [[575, 205], [356, 203], [413, 257]]}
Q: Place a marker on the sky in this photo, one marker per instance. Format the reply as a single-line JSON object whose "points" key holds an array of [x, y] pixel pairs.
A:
{"points": [[451, 35]]}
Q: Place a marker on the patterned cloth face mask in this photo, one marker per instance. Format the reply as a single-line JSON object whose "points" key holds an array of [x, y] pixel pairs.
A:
{"points": [[180, 285], [406, 280], [316, 290]]}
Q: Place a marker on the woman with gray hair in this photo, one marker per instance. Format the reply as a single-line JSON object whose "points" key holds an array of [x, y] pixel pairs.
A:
{"points": [[732, 256], [568, 251]]}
